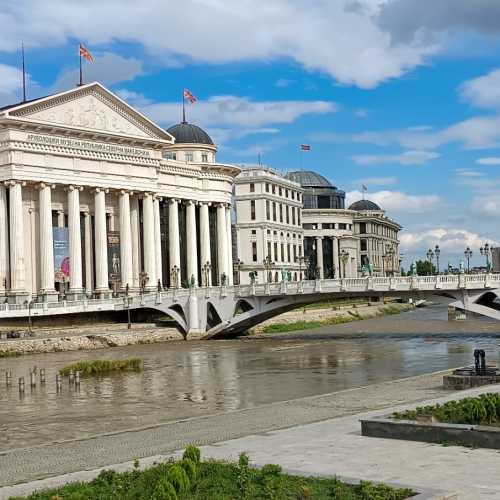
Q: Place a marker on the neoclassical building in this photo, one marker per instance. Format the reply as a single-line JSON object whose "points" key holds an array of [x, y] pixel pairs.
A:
{"points": [[95, 197]]}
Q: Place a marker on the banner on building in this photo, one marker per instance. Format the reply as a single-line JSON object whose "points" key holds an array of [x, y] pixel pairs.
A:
{"points": [[61, 254], [114, 264]]}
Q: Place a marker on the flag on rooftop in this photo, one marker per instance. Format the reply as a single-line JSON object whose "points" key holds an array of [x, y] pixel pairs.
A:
{"points": [[85, 53], [190, 97], [305, 147]]}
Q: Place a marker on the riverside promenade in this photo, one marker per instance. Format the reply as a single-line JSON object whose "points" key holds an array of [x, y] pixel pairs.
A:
{"points": [[314, 434]]}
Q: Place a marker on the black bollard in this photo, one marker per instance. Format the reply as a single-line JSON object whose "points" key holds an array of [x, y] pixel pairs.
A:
{"points": [[476, 362], [482, 355]]}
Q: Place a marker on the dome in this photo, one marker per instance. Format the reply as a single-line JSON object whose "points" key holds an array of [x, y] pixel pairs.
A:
{"points": [[187, 133], [307, 178], [364, 205]]}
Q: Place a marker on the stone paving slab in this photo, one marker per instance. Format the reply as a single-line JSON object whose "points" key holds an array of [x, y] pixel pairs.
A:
{"points": [[29, 464]]}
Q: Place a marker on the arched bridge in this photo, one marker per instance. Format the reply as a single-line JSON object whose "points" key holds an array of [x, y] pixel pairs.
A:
{"points": [[206, 312]]}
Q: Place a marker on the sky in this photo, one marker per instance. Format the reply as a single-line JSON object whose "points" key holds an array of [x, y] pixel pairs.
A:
{"points": [[402, 96]]}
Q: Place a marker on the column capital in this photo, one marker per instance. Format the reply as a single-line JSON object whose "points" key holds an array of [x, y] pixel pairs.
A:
{"points": [[207, 203], [13, 182], [126, 191], [72, 187], [100, 190], [319, 237], [173, 201], [43, 185], [191, 202], [157, 197]]}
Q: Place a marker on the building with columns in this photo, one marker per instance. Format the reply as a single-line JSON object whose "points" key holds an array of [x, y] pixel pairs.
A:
{"points": [[95, 197], [269, 235]]}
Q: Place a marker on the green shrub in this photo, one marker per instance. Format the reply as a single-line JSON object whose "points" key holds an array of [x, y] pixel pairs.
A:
{"points": [[193, 453], [272, 481], [179, 479], [243, 475], [102, 366], [190, 467], [164, 490]]}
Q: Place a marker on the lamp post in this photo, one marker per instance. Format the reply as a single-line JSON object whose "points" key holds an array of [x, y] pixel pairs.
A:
{"points": [[237, 266], [437, 253], [486, 251], [174, 273], [468, 255], [268, 263], [206, 273], [344, 257], [430, 258]]}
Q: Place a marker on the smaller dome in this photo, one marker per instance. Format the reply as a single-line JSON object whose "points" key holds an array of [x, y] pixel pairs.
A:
{"points": [[308, 178], [187, 133], [364, 205]]}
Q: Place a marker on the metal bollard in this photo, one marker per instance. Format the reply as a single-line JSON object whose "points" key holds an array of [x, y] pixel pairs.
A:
{"points": [[8, 378], [42, 375], [77, 377], [58, 382], [71, 377], [32, 378], [21, 385]]}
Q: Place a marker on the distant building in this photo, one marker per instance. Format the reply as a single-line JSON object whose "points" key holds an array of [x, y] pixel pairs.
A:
{"points": [[495, 259], [268, 225]]}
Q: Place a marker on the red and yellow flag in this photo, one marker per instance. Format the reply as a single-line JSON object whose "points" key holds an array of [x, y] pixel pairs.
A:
{"points": [[84, 52], [190, 97]]}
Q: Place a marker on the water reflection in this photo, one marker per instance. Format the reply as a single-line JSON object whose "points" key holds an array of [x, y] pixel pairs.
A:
{"points": [[182, 380]]}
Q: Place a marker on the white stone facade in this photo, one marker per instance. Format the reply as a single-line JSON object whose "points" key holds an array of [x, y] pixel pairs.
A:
{"points": [[86, 163], [268, 226]]}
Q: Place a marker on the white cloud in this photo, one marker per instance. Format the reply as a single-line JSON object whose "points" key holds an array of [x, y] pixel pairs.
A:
{"points": [[488, 161], [463, 172], [406, 158], [483, 91], [487, 204], [398, 202], [10, 79], [332, 37]]}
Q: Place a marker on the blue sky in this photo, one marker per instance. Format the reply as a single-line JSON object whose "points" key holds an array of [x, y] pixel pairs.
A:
{"points": [[388, 93]]}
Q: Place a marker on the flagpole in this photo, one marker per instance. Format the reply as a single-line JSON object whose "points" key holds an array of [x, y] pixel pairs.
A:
{"points": [[183, 107], [81, 72], [24, 74]]}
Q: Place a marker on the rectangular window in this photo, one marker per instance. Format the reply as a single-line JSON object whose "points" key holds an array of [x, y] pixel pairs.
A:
{"points": [[281, 212], [274, 189], [324, 201], [282, 252], [252, 209], [293, 195], [363, 245], [280, 191], [254, 251], [204, 157], [342, 226], [268, 211], [276, 258], [294, 253], [288, 252], [287, 214], [293, 216], [254, 231], [274, 211], [169, 155], [252, 187], [362, 227], [267, 187], [188, 156], [269, 250], [298, 216]]}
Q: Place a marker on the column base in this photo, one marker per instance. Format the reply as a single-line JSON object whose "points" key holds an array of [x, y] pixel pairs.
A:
{"points": [[103, 293], [49, 295], [18, 296], [75, 294]]}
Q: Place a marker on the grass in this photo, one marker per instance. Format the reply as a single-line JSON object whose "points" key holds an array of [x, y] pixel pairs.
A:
{"points": [[190, 479], [103, 366], [9, 354]]}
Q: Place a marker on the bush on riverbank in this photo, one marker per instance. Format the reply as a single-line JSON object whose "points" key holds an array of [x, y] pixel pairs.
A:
{"points": [[103, 366], [481, 410], [219, 481]]}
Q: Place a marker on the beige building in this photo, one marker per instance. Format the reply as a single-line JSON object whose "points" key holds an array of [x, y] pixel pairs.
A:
{"points": [[269, 233], [95, 196]]}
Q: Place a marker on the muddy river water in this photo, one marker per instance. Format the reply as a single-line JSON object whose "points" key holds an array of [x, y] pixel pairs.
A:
{"points": [[189, 379]]}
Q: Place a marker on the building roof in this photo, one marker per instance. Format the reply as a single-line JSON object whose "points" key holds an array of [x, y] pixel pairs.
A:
{"points": [[188, 133], [362, 205], [308, 178]]}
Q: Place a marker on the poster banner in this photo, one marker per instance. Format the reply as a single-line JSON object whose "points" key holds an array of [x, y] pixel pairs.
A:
{"points": [[61, 254], [114, 264]]}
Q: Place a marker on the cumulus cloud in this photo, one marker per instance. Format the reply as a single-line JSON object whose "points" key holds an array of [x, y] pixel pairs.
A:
{"points": [[486, 204], [484, 91], [398, 202], [488, 161], [330, 37], [406, 158]]}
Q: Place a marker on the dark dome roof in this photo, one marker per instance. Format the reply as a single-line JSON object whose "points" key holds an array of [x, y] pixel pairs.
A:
{"points": [[364, 205], [307, 178], [187, 133]]}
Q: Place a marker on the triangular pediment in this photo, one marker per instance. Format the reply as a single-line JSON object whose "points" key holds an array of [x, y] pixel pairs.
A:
{"points": [[90, 108]]}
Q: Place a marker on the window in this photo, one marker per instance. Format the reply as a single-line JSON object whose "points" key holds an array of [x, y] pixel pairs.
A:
{"points": [[276, 252], [293, 195], [298, 216], [274, 211], [169, 155], [287, 214], [342, 226], [363, 245], [268, 231], [293, 216], [204, 157], [288, 252], [254, 251], [324, 202], [280, 191], [282, 252], [298, 196], [188, 156], [281, 212], [275, 233], [267, 187], [294, 253], [274, 189], [252, 210], [269, 249], [268, 211], [286, 193], [362, 227], [252, 187], [254, 231]]}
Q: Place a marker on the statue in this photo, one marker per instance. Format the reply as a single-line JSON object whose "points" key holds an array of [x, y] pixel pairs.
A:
{"points": [[253, 277], [462, 267], [413, 269], [223, 279], [364, 271], [289, 275], [192, 281]]}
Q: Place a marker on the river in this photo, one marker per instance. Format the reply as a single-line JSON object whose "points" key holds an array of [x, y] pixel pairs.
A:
{"points": [[190, 379]]}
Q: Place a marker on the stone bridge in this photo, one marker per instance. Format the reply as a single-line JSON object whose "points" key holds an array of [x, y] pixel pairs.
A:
{"points": [[214, 311]]}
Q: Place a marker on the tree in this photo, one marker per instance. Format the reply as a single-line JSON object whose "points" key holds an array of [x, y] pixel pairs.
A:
{"points": [[425, 268]]}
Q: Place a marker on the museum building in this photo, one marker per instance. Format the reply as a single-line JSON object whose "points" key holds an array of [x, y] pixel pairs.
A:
{"points": [[95, 197]]}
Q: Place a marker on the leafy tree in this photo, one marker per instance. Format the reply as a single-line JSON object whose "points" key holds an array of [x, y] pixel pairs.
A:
{"points": [[425, 268]]}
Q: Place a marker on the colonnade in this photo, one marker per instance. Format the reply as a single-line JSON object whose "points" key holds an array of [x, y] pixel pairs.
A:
{"points": [[140, 251], [340, 269]]}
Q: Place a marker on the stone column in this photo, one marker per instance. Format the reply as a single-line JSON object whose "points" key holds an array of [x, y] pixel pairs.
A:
{"points": [[149, 240], [221, 241], [192, 253], [319, 255], [101, 243], [229, 246], [158, 256], [4, 242], [60, 218], [88, 253], [335, 254], [17, 250], [174, 241], [46, 242], [205, 241], [75, 242], [125, 240], [135, 229]]}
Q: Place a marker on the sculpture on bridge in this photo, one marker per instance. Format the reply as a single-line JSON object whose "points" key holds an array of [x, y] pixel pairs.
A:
{"points": [[462, 267]]}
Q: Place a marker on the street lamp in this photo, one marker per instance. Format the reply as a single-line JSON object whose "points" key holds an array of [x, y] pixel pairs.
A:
{"points": [[206, 273], [468, 255], [174, 273], [344, 257], [437, 253], [430, 258], [268, 263], [238, 265], [486, 251]]}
